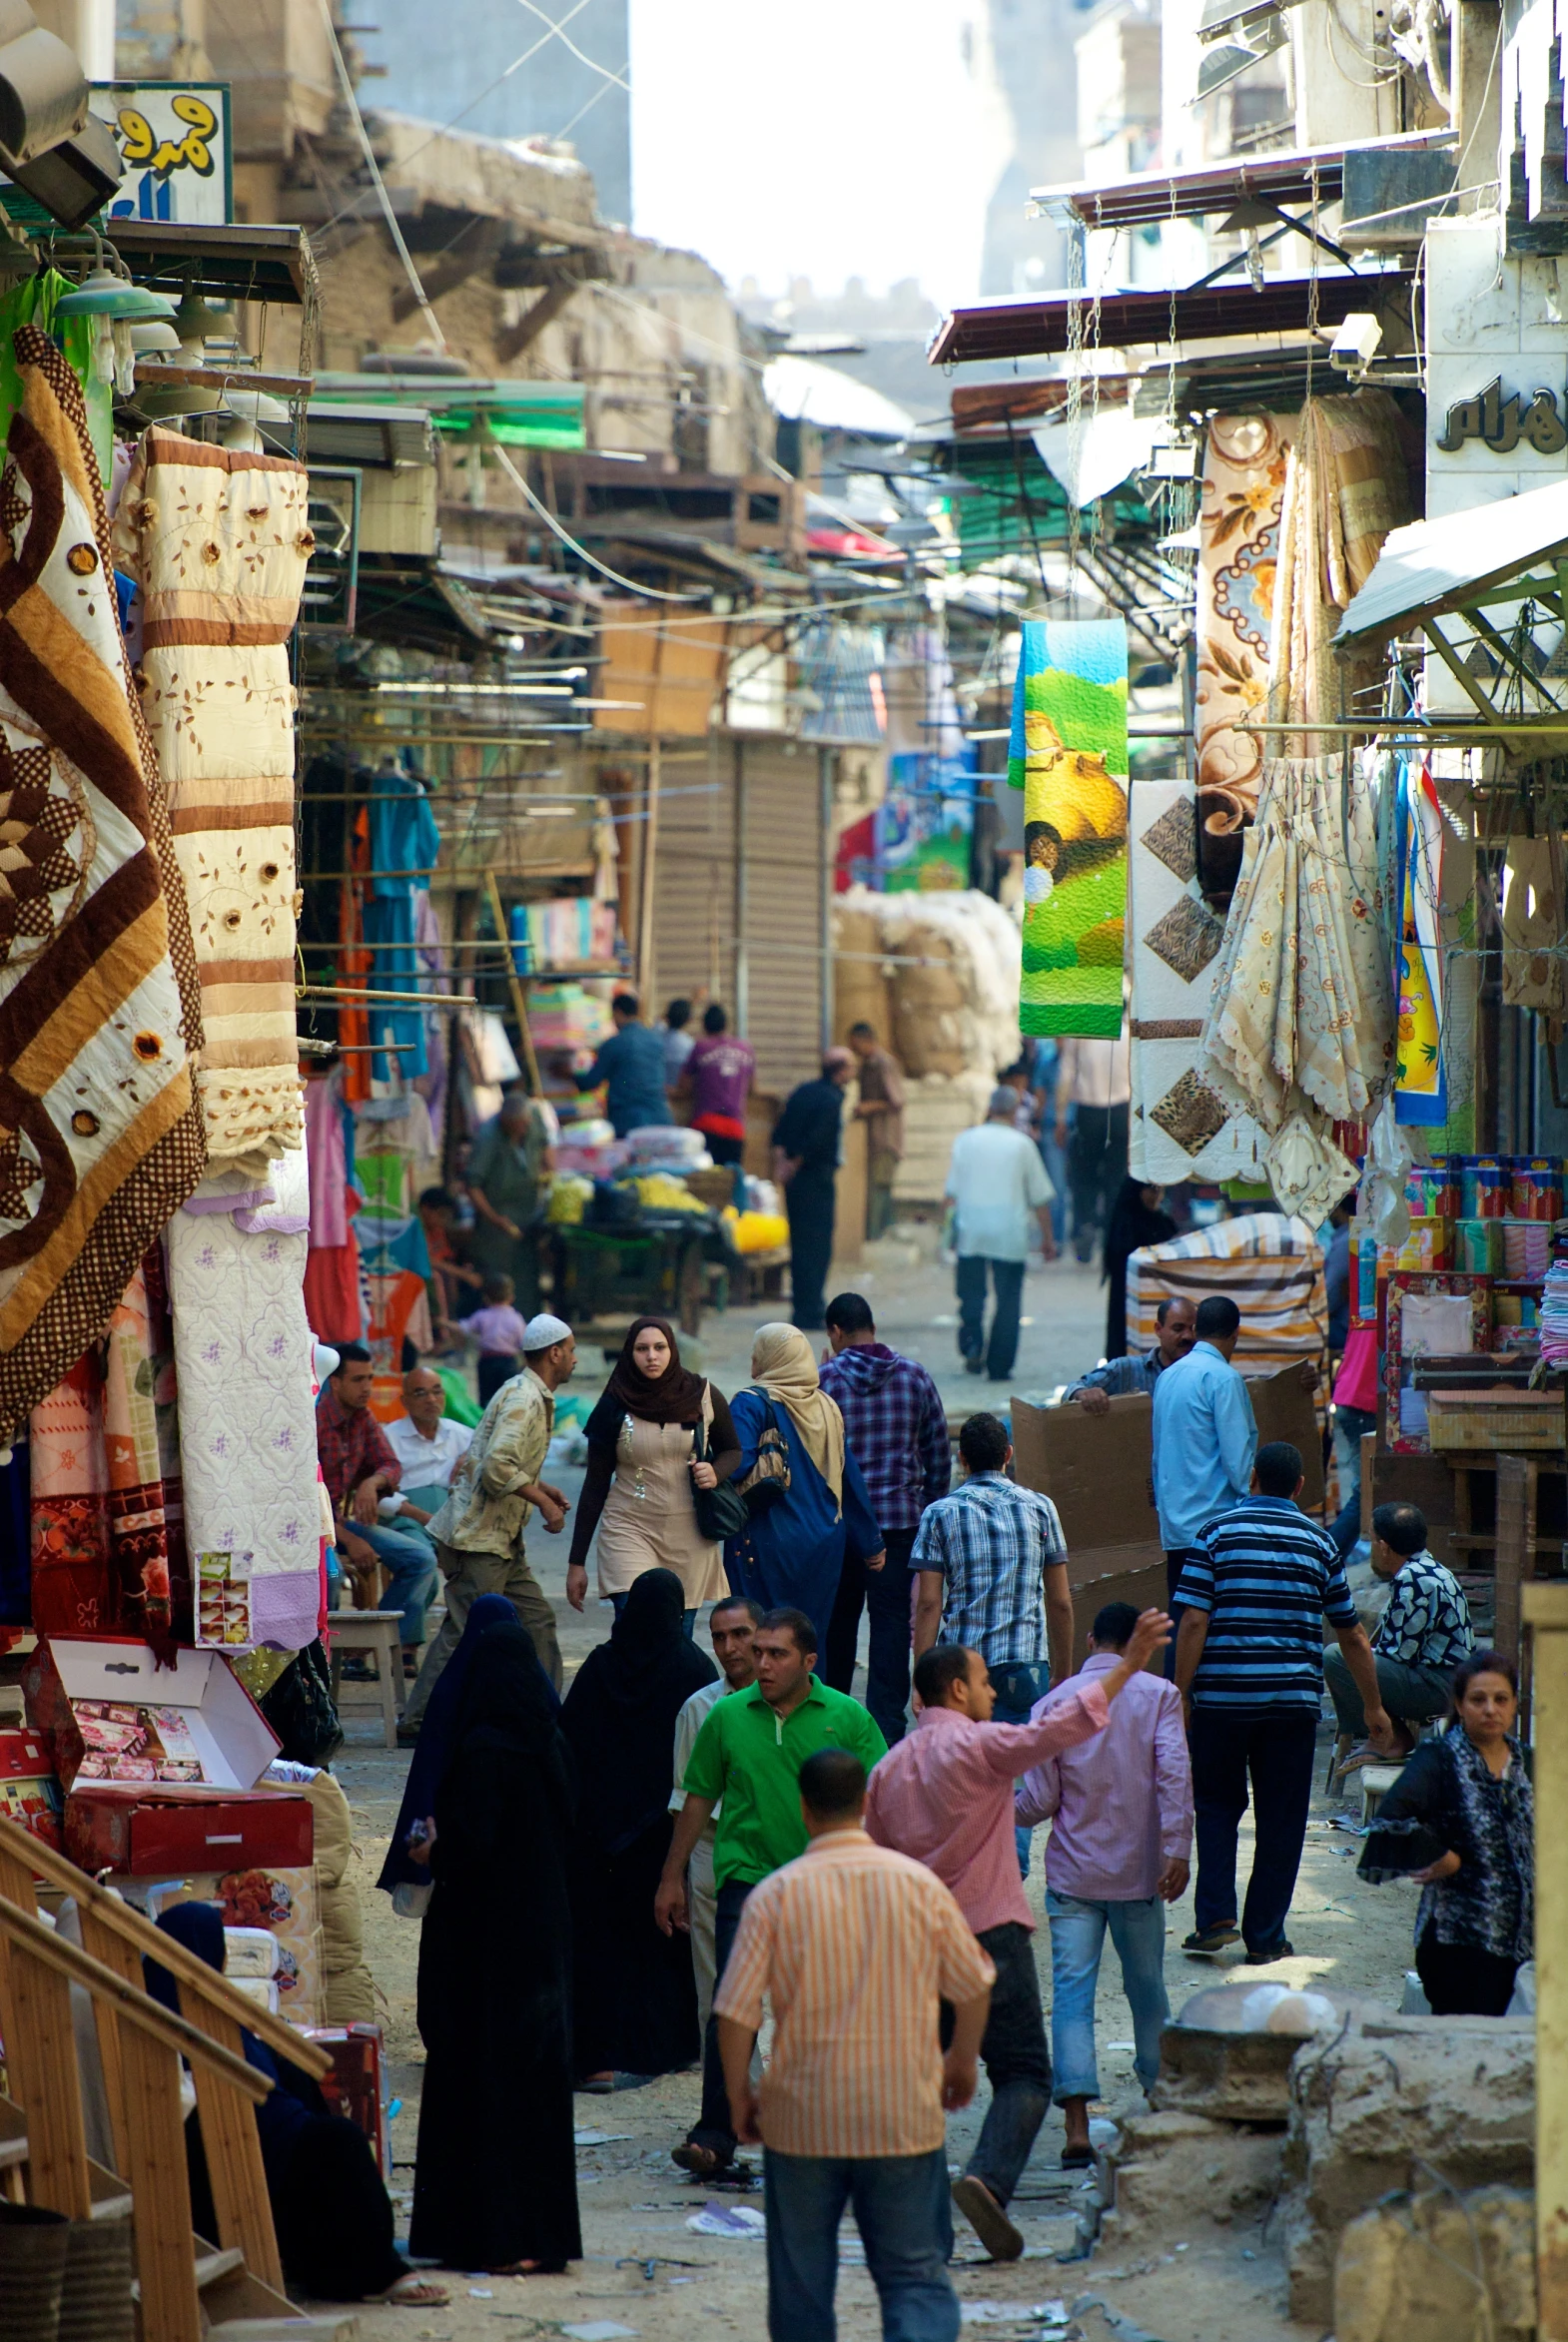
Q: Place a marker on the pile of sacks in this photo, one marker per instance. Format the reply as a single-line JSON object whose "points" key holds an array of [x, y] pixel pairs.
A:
{"points": [[944, 998]]}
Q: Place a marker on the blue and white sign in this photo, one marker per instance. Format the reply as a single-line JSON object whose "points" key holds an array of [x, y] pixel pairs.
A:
{"points": [[175, 143]]}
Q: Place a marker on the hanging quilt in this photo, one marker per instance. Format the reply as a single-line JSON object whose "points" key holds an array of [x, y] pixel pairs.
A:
{"points": [[1420, 1093], [1237, 562], [100, 1136], [1180, 1128], [1068, 753], [247, 1394], [218, 541]]}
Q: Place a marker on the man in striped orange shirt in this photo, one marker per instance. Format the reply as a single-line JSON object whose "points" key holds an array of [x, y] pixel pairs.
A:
{"points": [[855, 1947]]}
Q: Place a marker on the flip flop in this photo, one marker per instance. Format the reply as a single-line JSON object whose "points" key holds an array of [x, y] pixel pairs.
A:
{"points": [[701, 2162], [414, 2292]]}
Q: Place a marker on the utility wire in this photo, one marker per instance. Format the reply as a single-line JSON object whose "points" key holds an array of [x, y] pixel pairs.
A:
{"points": [[652, 593], [392, 229]]}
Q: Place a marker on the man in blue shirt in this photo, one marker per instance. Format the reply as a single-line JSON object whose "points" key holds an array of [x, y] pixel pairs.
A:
{"points": [[632, 1062], [1256, 1590], [1205, 1435], [1135, 1376]]}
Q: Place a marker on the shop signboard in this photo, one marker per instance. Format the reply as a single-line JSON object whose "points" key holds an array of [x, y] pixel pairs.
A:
{"points": [[176, 142]]}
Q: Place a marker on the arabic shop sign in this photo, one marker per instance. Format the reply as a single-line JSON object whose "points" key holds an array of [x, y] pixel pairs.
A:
{"points": [[175, 141], [1505, 419]]}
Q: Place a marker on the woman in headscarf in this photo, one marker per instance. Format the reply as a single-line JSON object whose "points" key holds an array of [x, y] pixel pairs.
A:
{"points": [[794, 1551], [636, 1998], [1459, 1821], [405, 1877], [1136, 1220], [494, 2183], [310, 2157], [643, 1465]]}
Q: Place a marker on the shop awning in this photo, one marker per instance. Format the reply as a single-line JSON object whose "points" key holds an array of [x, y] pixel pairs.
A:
{"points": [[1042, 327], [1151, 197], [517, 412], [1507, 550], [235, 262]]}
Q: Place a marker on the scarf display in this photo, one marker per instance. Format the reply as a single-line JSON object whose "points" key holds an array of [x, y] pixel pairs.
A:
{"points": [[218, 541], [1238, 541], [783, 1366], [247, 1394], [100, 1137], [675, 1396], [1068, 753], [1179, 1126]]}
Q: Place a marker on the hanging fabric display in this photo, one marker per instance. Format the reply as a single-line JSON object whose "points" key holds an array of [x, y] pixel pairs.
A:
{"points": [[73, 1588], [1068, 753], [1420, 1093], [218, 541], [247, 1395], [1535, 923], [1239, 549], [100, 1137], [142, 1452], [404, 839], [1180, 1128]]}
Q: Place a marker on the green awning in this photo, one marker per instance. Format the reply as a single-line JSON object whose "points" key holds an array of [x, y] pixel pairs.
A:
{"points": [[514, 413]]}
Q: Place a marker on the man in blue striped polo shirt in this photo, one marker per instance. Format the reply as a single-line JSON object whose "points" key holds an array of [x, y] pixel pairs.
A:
{"points": [[1254, 1591]]}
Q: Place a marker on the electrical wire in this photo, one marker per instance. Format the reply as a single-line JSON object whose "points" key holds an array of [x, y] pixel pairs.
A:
{"points": [[385, 199], [651, 592], [557, 33]]}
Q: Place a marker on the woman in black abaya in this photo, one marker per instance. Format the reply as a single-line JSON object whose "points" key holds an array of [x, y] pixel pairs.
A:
{"points": [[1136, 1220], [634, 1997], [495, 2183]]}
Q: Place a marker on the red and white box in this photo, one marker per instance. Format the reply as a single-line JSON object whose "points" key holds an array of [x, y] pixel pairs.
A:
{"points": [[154, 1832], [356, 2085], [29, 1790], [108, 1713]]}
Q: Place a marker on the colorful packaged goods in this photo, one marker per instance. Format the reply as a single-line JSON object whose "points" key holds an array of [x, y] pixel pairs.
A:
{"points": [[223, 1599], [109, 1711], [29, 1793], [355, 2087], [1479, 1246]]}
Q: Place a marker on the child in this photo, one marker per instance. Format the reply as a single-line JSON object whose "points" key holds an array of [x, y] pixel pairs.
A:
{"points": [[496, 1331]]}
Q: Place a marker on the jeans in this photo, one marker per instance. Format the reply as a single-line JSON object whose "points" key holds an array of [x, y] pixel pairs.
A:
{"points": [[884, 1593], [808, 1202], [905, 2218], [1277, 1748], [411, 1557], [715, 2128], [1007, 1278], [1411, 1694], [1175, 1563], [688, 1621], [496, 1369], [1077, 1937], [1018, 1686], [1097, 1165], [1350, 1425], [1017, 2062], [1054, 1160]]}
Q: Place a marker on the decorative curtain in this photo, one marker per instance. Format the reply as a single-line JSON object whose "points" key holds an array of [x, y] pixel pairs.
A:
{"points": [[1068, 753]]}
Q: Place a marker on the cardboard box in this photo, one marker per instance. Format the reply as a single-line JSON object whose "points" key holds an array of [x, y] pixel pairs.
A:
{"points": [[282, 1900], [151, 1831], [106, 1688], [29, 1792], [357, 2084]]}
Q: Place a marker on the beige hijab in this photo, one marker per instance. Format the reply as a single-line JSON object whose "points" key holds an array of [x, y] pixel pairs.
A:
{"points": [[782, 1363]]}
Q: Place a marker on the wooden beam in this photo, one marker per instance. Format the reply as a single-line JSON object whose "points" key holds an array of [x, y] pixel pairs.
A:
{"points": [[514, 340], [475, 250]]}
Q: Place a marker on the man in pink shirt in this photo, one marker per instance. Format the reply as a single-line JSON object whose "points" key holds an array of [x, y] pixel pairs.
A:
{"points": [[944, 1797], [1121, 1806]]}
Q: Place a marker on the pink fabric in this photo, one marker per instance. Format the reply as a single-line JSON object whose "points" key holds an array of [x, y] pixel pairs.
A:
{"points": [[1357, 1386], [944, 1796], [1121, 1804], [329, 1165]]}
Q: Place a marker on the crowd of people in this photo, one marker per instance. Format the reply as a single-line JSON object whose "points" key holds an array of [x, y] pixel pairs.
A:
{"points": [[677, 1841]]}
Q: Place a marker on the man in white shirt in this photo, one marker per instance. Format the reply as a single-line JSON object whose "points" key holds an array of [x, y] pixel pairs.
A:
{"points": [[995, 1180], [1094, 1080], [427, 1444], [732, 1623]]}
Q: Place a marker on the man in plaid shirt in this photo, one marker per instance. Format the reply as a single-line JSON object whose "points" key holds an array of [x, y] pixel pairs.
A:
{"points": [[897, 1432], [359, 1468]]}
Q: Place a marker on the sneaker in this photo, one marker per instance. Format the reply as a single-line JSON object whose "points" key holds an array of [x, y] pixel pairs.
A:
{"points": [[1284, 1949], [1212, 1939], [988, 2219]]}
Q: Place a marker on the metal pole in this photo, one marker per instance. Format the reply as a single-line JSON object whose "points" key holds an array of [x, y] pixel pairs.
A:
{"points": [[650, 850], [1546, 1620]]}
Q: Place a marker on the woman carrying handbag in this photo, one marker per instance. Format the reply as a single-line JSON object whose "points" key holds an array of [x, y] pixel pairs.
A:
{"points": [[661, 1450]]}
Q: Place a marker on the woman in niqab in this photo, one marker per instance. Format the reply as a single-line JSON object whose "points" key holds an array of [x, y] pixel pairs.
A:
{"points": [[635, 1999], [495, 2183]]}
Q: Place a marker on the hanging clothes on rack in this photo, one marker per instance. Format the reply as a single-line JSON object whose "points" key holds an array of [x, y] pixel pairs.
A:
{"points": [[404, 839]]}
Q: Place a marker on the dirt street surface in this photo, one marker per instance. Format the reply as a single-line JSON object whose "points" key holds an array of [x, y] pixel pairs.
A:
{"points": [[645, 2272]]}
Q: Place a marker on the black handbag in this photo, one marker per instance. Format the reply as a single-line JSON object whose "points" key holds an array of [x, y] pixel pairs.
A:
{"points": [[721, 1509]]}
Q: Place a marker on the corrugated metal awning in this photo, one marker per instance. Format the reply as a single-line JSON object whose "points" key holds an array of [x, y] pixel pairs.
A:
{"points": [[1150, 197], [1436, 566], [1043, 326]]}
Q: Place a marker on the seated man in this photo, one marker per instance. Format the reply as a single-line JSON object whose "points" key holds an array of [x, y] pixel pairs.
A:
{"points": [[1177, 1322], [1423, 1636], [359, 1467], [427, 1444]]}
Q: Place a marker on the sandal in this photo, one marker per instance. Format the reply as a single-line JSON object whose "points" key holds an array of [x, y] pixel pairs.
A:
{"points": [[530, 2269], [701, 2162], [1076, 2159], [414, 2292]]}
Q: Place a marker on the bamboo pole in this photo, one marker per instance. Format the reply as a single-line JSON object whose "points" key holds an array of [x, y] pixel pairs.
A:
{"points": [[519, 996]]}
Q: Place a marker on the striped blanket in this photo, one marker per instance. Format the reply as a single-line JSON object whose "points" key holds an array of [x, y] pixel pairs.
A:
{"points": [[217, 542], [1271, 1266]]}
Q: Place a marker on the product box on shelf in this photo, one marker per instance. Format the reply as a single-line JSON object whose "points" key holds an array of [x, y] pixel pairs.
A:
{"points": [[29, 1792], [152, 1830], [284, 1901], [109, 1712], [356, 2086]]}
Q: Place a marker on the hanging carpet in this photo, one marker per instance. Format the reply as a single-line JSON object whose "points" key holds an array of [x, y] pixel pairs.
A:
{"points": [[100, 1137]]}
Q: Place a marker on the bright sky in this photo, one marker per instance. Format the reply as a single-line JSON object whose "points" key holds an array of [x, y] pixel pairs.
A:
{"points": [[815, 138]]}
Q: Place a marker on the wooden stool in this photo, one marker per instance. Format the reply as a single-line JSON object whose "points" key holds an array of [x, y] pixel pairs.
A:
{"points": [[376, 1633], [1376, 1781]]}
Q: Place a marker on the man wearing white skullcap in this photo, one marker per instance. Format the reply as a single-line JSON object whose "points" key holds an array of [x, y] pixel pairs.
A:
{"points": [[479, 1530]]}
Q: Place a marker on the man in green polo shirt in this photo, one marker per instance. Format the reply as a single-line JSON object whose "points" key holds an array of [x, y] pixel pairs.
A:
{"points": [[749, 1753]]}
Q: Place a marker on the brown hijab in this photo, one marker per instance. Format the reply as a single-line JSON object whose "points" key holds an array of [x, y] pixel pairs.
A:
{"points": [[675, 1396]]}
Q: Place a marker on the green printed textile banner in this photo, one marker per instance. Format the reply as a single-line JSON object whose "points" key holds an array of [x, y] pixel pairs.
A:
{"points": [[1068, 753]]}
